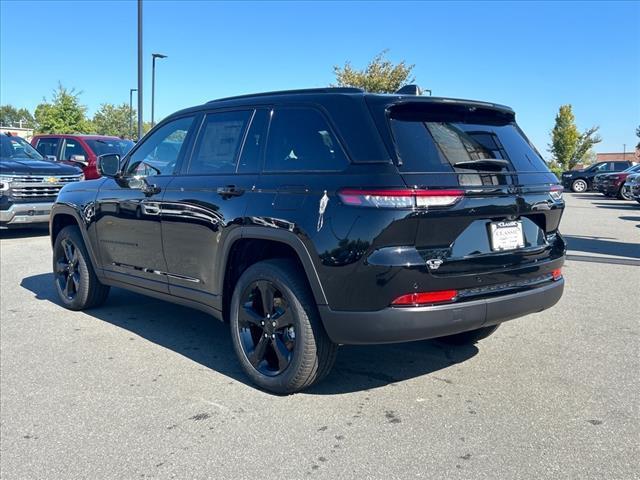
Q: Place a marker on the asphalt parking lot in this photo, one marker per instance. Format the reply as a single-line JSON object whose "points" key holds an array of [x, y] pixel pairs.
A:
{"points": [[140, 388]]}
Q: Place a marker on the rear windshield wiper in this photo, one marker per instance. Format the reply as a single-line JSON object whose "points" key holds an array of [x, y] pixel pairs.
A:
{"points": [[483, 164]]}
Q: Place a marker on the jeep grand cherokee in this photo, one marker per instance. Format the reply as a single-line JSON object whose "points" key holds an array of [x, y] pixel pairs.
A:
{"points": [[313, 218]]}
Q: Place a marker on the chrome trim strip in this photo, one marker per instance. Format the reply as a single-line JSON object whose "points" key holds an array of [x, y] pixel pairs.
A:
{"points": [[177, 276]]}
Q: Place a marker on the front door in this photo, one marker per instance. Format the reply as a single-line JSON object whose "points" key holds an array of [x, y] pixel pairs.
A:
{"points": [[209, 199], [128, 210]]}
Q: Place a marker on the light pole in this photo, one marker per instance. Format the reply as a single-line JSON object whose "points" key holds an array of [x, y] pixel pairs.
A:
{"points": [[131, 90], [153, 82], [139, 69]]}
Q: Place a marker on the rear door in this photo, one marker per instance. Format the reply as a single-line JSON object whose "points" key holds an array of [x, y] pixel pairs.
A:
{"points": [[208, 200], [508, 211]]}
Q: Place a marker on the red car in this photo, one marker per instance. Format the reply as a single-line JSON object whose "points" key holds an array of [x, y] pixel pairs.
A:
{"points": [[80, 150]]}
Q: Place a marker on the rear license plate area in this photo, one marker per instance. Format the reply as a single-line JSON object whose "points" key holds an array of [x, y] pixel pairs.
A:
{"points": [[506, 235]]}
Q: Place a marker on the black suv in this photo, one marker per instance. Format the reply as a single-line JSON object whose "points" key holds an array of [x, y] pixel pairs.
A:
{"points": [[579, 181], [308, 219]]}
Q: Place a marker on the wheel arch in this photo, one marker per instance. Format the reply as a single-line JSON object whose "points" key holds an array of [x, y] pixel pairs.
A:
{"points": [[63, 216], [248, 245]]}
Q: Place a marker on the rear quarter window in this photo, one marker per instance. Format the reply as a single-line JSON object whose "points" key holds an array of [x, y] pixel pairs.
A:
{"points": [[300, 139]]}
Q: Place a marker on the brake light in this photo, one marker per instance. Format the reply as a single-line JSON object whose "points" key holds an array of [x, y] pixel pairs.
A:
{"points": [[556, 192], [399, 198], [424, 298], [556, 274]]}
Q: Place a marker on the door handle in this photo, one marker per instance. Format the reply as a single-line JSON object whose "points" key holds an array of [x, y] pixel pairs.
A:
{"points": [[150, 189], [230, 191]]}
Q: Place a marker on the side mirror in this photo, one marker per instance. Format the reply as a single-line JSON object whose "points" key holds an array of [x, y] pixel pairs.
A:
{"points": [[109, 165], [51, 158], [79, 159]]}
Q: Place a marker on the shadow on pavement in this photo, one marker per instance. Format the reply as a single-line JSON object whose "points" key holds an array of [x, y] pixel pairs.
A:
{"points": [[631, 219], [603, 247], [205, 340], [614, 206], [24, 232]]}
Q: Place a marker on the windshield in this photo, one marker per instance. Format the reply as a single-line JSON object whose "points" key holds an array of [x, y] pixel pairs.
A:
{"points": [[17, 148], [428, 142], [104, 146]]}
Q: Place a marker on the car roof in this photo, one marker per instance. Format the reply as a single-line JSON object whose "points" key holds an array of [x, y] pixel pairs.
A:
{"points": [[329, 95], [78, 135]]}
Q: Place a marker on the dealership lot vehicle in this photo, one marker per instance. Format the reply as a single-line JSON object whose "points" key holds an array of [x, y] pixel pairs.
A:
{"points": [[80, 150], [443, 223], [614, 184], [145, 387], [29, 183], [633, 184], [582, 180]]}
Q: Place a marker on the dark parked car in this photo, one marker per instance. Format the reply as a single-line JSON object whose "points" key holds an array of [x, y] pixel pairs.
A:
{"points": [[28, 183], [581, 180], [633, 184], [613, 184], [308, 219], [80, 150]]}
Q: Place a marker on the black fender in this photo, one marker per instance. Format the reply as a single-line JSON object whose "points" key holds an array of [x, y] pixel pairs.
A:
{"points": [[78, 214], [283, 236]]}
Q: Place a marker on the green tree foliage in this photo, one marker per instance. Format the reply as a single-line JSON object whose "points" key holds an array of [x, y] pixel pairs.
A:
{"points": [[16, 117], [568, 146], [115, 120], [64, 114], [379, 76]]}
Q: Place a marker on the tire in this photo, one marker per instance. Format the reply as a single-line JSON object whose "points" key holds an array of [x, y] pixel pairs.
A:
{"points": [[624, 194], [471, 337], [579, 186], [75, 280], [294, 353]]}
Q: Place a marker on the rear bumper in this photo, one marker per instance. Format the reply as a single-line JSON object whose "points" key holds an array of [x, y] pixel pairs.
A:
{"points": [[25, 214], [392, 325]]}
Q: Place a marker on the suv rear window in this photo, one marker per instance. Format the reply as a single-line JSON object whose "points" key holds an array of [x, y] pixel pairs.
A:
{"points": [[431, 138]]}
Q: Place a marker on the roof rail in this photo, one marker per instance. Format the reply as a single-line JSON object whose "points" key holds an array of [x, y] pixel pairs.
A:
{"points": [[289, 92]]}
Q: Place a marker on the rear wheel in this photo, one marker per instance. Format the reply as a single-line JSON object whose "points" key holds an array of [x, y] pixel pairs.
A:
{"points": [[76, 282], [579, 186], [276, 329], [470, 337]]}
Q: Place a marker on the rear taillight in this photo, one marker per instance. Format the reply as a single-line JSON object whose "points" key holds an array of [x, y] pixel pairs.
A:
{"points": [[556, 192], [556, 274], [424, 298], [399, 198]]}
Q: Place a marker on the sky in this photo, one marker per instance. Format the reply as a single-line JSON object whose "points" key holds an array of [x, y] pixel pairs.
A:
{"points": [[532, 56]]}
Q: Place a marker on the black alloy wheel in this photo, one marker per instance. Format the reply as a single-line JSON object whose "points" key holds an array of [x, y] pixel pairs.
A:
{"points": [[75, 280], [266, 328], [66, 269], [276, 330]]}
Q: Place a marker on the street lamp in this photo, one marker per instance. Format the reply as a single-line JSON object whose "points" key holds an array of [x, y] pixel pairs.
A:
{"points": [[131, 90], [153, 82]]}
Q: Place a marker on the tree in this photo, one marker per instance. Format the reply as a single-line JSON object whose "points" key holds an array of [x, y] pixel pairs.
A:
{"points": [[380, 75], [568, 145], [114, 120], [16, 117], [64, 114]]}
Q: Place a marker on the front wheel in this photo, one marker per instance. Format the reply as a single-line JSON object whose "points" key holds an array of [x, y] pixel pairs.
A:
{"points": [[625, 193], [470, 337], [579, 186], [76, 282], [276, 329]]}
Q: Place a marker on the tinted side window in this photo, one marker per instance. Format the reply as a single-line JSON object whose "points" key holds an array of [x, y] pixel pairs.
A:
{"points": [[159, 153], [619, 166], [254, 143], [48, 146], [219, 143], [73, 147], [300, 140]]}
